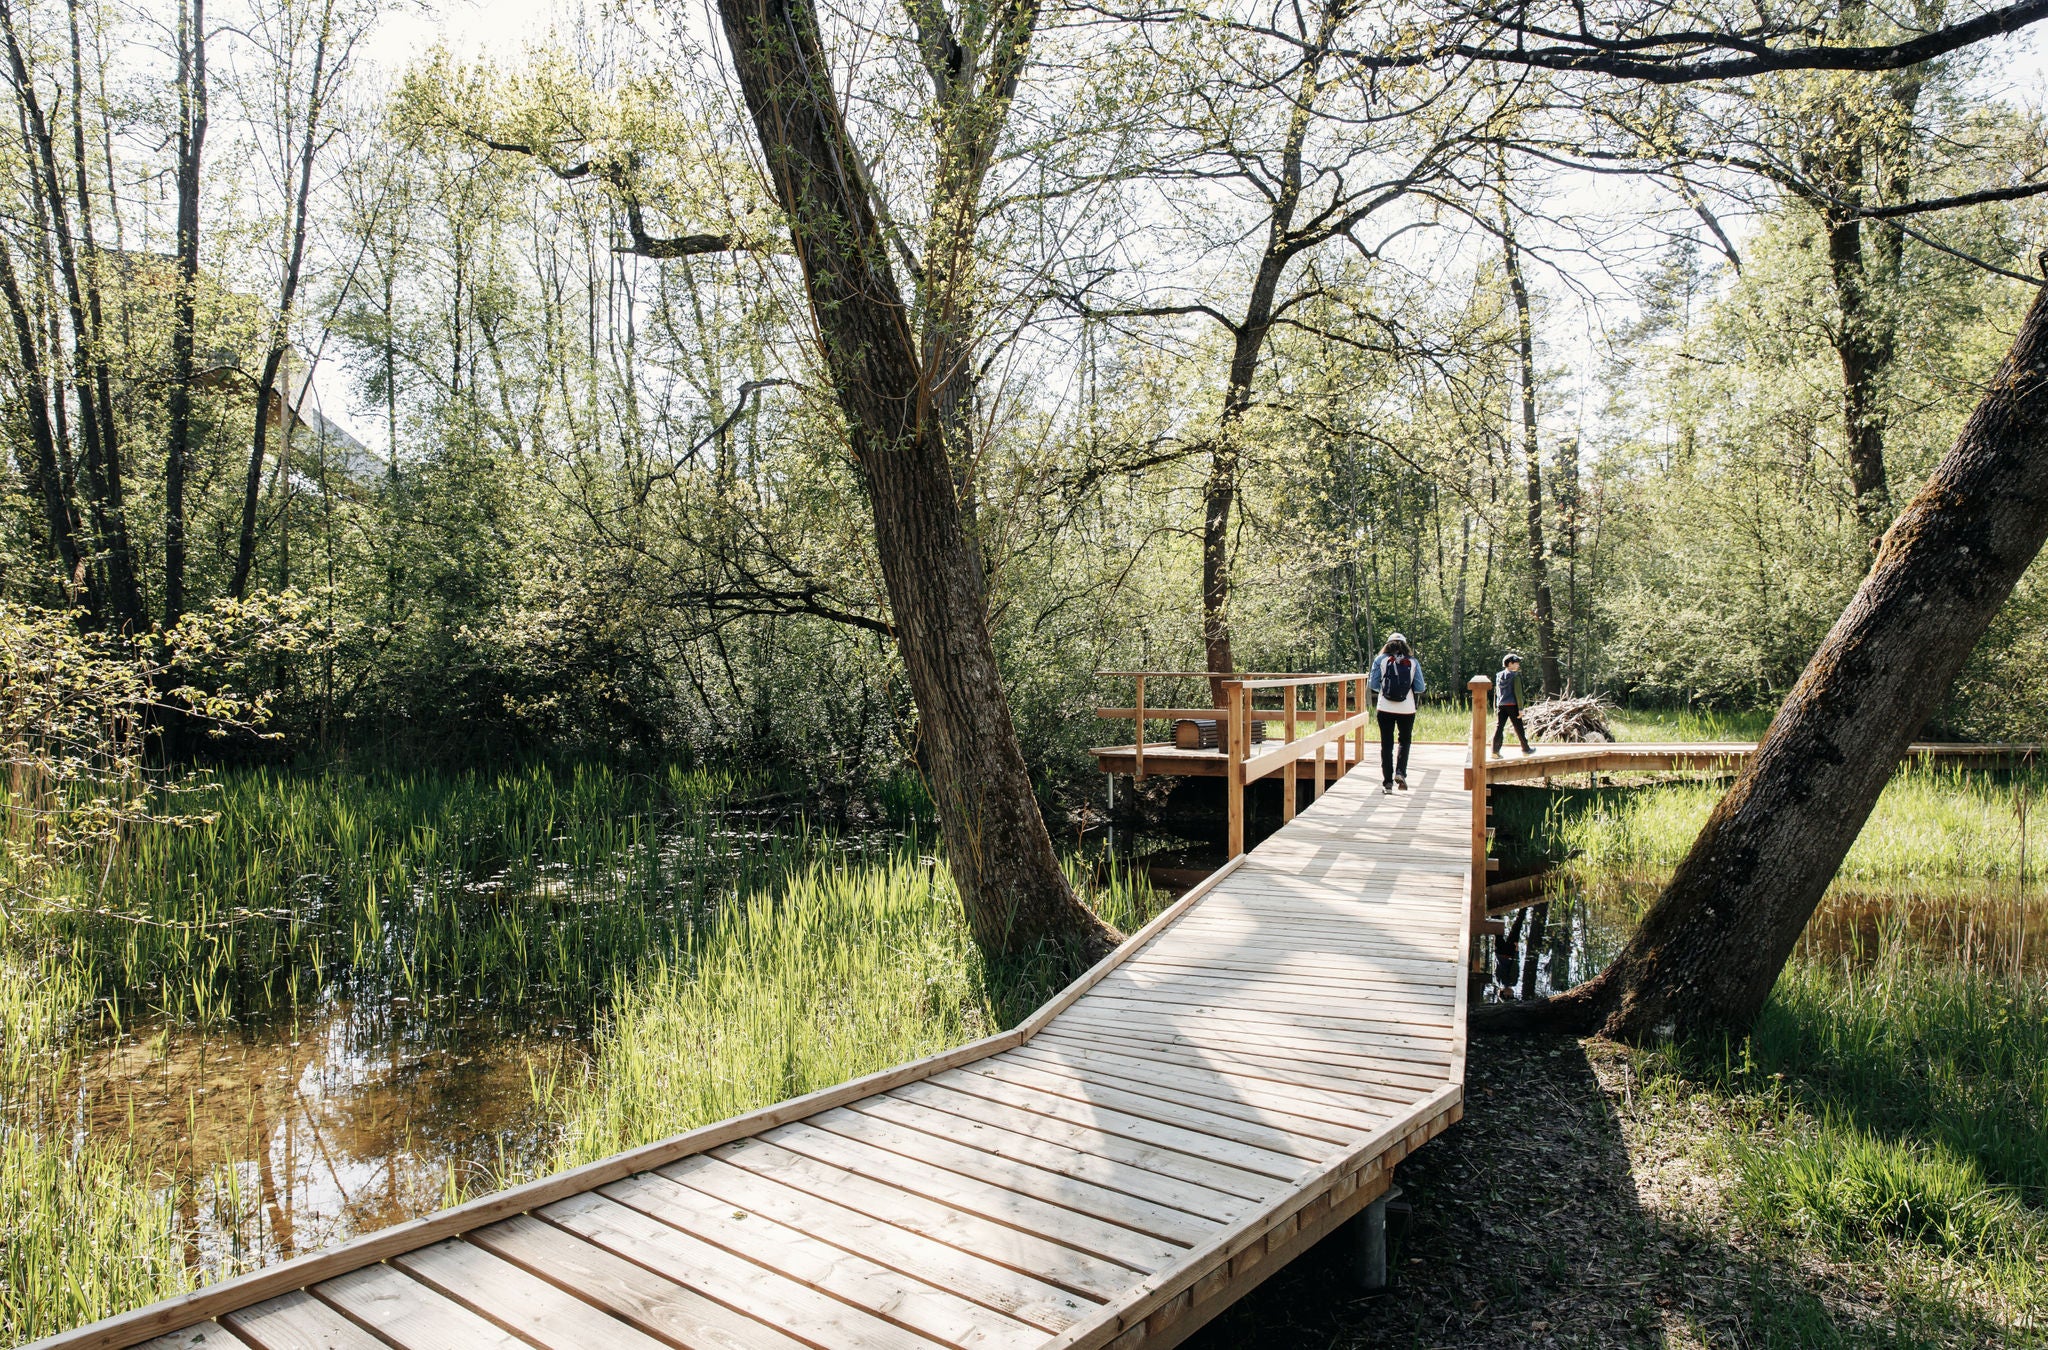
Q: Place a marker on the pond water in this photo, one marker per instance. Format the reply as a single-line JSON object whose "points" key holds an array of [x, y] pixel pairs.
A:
{"points": [[298, 1133]]}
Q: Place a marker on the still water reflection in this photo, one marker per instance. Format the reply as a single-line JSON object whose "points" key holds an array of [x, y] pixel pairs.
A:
{"points": [[284, 1138]]}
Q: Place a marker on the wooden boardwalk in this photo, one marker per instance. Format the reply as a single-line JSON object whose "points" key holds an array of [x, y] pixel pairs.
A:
{"points": [[1553, 761], [1215, 1097]]}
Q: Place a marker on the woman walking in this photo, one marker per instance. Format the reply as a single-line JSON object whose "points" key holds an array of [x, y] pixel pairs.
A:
{"points": [[1396, 676]]}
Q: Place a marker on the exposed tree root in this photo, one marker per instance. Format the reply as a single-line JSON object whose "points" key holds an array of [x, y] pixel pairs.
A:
{"points": [[1582, 1010]]}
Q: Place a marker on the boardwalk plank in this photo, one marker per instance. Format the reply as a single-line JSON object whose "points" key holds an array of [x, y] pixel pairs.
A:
{"points": [[1210, 1085], [1052, 1186], [205, 1336], [1015, 1209], [298, 1321], [627, 1291], [408, 1314], [1199, 1143], [1245, 1121], [813, 1317], [1172, 1194], [970, 1275], [518, 1300], [848, 1276], [1038, 1256], [1382, 1083], [1166, 1162]]}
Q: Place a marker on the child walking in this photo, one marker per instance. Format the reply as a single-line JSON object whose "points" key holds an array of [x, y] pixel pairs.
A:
{"points": [[1396, 676], [1507, 699]]}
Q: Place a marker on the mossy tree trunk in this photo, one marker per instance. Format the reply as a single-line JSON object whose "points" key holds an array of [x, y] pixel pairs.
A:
{"points": [[895, 406]]}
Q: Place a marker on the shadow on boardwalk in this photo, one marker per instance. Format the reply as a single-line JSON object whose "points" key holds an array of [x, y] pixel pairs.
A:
{"points": [[1532, 1225]]}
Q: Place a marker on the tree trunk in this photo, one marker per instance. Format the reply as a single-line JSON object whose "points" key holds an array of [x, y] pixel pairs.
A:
{"points": [[49, 478], [1709, 950], [1016, 897], [100, 464], [1226, 453], [1539, 563], [280, 335], [1457, 670], [1863, 347], [185, 321]]}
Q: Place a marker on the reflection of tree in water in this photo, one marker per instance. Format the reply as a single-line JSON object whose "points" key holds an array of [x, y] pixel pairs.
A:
{"points": [[284, 1138]]}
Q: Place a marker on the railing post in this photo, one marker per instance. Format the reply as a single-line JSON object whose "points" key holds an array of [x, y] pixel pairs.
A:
{"points": [[1293, 694], [1238, 701], [1321, 751], [1360, 695], [1480, 687], [1138, 776]]}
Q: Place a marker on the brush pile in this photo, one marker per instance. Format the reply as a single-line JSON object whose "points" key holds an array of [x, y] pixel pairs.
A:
{"points": [[1575, 720]]}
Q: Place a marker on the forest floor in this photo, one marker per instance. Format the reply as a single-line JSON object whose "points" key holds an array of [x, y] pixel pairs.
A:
{"points": [[1591, 1197]]}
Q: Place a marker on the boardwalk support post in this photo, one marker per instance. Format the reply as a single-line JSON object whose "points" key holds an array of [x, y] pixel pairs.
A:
{"points": [[1480, 687], [1365, 1236]]}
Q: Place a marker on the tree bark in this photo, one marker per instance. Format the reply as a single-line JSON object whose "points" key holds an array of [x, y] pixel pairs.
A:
{"points": [[1016, 897], [1863, 344], [191, 143], [51, 476], [267, 386], [1539, 562], [1707, 953]]}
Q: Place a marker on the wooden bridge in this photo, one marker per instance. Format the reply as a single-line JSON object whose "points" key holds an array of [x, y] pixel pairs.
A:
{"points": [[1227, 1088]]}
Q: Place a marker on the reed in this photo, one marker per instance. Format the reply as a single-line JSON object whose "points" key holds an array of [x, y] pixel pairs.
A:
{"points": [[84, 1229], [523, 888], [842, 970]]}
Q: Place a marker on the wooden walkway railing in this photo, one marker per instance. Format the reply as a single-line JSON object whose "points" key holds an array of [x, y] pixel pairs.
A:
{"points": [[1332, 707], [1224, 1090]]}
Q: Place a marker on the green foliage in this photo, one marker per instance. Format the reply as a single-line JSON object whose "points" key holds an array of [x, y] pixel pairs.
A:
{"points": [[84, 1230]]}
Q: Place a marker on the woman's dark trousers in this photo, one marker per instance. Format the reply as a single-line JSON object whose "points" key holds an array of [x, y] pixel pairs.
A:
{"points": [[1392, 724], [1510, 712]]}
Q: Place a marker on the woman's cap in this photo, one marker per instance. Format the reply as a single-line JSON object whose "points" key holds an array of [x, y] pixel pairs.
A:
{"points": [[1396, 637], [1512, 658]]}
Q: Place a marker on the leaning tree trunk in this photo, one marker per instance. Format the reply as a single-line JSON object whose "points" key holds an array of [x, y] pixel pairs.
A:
{"points": [[1015, 894], [1705, 957]]}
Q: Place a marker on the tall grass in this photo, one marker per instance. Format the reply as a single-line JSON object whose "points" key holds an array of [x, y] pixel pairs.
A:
{"points": [[1938, 823], [842, 970], [84, 1230], [1890, 1106], [523, 888]]}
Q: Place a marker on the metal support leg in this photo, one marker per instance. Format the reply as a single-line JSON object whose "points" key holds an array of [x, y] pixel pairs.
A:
{"points": [[1367, 1234]]}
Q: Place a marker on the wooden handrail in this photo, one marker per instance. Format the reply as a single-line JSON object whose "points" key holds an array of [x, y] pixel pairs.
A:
{"points": [[1330, 723], [1329, 720]]}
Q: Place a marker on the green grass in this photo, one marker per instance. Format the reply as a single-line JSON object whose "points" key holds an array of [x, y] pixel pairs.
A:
{"points": [[1892, 1122], [725, 964], [1932, 825], [843, 970]]}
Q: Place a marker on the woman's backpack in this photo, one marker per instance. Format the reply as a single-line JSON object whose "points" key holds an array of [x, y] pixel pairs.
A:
{"points": [[1397, 679]]}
